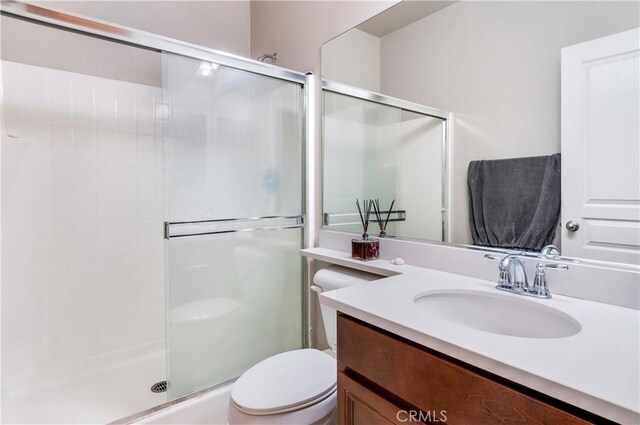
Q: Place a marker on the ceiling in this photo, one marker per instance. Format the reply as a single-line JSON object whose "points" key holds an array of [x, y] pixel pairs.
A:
{"points": [[401, 15]]}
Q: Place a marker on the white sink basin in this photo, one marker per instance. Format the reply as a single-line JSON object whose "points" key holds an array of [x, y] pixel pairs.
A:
{"points": [[497, 313]]}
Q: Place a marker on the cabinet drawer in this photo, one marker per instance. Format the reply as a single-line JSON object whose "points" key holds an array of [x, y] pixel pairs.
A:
{"points": [[432, 383], [357, 405]]}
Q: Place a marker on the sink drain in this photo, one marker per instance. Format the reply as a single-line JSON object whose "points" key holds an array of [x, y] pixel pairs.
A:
{"points": [[159, 387]]}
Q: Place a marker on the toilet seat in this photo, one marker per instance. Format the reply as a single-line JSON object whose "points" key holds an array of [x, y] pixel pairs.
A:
{"points": [[285, 382]]}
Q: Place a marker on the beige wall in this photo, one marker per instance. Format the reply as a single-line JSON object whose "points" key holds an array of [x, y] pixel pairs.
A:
{"points": [[221, 25], [496, 66], [293, 29], [297, 29], [33, 44], [354, 58]]}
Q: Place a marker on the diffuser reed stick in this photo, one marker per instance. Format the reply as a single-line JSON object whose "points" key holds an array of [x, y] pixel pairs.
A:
{"points": [[389, 214], [361, 216], [365, 214], [378, 212]]}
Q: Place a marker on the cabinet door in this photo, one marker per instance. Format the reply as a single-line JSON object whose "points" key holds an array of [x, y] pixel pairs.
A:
{"points": [[359, 406]]}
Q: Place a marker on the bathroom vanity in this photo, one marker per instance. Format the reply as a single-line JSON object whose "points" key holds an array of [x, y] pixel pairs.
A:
{"points": [[384, 378], [419, 345]]}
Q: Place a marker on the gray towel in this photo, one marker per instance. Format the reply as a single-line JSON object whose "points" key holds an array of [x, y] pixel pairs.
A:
{"points": [[514, 203]]}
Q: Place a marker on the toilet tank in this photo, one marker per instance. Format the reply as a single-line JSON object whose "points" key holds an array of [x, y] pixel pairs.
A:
{"points": [[332, 278]]}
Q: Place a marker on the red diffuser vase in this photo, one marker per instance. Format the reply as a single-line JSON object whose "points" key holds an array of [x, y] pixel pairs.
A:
{"points": [[365, 249]]}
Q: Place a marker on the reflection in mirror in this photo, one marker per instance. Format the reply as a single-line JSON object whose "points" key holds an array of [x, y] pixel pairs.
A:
{"points": [[496, 66], [378, 151]]}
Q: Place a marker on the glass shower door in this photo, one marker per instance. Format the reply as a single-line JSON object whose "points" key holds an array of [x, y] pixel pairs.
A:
{"points": [[233, 228]]}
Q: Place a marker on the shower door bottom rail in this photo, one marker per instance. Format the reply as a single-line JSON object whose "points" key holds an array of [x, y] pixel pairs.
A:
{"points": [[181, 229]]}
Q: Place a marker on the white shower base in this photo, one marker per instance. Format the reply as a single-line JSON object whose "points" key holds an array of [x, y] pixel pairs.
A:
{"points": [[207, 408], [99, 395]]}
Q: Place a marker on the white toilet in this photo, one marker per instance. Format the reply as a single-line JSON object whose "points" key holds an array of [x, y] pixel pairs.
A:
{"points": [[299, 386]]}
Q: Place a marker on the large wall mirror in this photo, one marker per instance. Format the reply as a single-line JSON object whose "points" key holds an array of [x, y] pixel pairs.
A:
{"points": [[542, 142]]}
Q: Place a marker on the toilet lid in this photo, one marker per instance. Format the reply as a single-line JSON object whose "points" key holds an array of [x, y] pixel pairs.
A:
{"points": [[285, 382]]}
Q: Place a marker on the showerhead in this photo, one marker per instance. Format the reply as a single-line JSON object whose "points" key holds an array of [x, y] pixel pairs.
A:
{"points": [[273, 57]]}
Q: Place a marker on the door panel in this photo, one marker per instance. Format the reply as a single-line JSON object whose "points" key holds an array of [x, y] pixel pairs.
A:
{"points": [[601, 148], [234, 300], [233, 226], [234, 143]]}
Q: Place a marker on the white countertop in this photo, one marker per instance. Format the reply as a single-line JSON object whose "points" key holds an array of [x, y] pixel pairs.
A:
{"points": [[598, 369]]}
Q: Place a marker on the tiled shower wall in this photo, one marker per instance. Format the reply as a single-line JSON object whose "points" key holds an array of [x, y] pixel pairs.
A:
{"points": [[82, 213]]}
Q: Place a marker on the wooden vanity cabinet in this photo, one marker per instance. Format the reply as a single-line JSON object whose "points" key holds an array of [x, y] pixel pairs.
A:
{"points": [[385, 379]]}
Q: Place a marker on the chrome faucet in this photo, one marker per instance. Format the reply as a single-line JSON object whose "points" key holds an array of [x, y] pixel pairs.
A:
{"points": [[513, 276], [550, 251]]}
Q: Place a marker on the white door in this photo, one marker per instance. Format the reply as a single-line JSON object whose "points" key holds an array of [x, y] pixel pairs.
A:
{"points": [[600, 149]]}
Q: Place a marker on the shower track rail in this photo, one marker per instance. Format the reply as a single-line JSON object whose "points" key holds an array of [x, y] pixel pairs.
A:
{"points": [[383, 99], [172, 229]]}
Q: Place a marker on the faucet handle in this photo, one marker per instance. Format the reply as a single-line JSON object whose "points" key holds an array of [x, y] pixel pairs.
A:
{"points": [[542, 266], [493, 257], [540, 287]]}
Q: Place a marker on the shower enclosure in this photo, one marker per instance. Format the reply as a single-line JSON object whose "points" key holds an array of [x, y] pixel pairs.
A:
{"points": [[152, 214]]}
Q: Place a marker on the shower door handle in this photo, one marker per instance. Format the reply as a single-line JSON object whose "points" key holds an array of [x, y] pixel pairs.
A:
{"points": [[180, 229]]}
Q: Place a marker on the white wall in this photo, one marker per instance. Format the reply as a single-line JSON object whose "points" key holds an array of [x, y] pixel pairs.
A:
{"points": [[355, 58], [496, 65], [82, 195]]}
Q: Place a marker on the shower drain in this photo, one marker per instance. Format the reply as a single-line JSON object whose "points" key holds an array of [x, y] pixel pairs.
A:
{"points": [[159, 387]]}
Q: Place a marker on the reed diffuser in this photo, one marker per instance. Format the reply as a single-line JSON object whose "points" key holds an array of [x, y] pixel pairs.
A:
{"points": [[366, 248], [382, 222]]}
